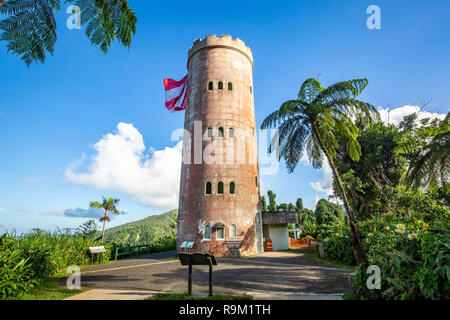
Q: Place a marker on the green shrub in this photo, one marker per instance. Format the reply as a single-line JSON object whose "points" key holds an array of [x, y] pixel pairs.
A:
{"points": [[28, 259], [337, 242], [16, 274], [413, 255], [163, 244]]}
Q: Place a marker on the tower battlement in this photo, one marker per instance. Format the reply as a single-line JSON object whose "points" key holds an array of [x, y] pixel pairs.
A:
{"points": [[224, 41]]}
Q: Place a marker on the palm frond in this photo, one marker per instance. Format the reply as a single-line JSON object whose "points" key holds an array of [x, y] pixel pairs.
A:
{"points": [[107, 21], [433, 166], [288, 109], [293, 134], [309, 90], [30, 30], [314, 152], [341, 91]]}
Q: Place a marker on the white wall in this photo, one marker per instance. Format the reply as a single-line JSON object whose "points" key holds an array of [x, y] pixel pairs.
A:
{"points": [[279, 235]]}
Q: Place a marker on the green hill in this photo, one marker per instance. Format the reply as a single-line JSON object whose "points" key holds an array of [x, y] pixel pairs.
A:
{"points": [[156, 228]]}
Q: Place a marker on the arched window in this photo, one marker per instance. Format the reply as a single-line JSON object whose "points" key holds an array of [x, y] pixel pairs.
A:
{"points": [[230, 86], [220, 132], [232, 188], [210, 85], [253, 131], [220, 85], [220, 188], [208, 189], [231, 133], [233, 231], [256, 181], [207, 232], [210, 133]]}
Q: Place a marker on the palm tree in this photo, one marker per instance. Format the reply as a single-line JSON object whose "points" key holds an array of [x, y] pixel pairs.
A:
{"points": [[432, 167], [319, 120], [109, 205], [30, 29]]}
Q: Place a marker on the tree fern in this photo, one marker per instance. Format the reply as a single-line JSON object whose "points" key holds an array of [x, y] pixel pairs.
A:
{"points": [[318, 121], [432, 167], [30, 28]]}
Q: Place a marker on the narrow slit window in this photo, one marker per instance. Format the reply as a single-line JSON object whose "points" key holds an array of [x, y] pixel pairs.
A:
{"points": [[233, 231], [230, 86], [210, 85], [220, 132], [220, 188], [220, 233], [207, 232], [210, 133], [251, 90], [232, 188], [256, 181], [231, 133], [208, 188], [220, 85]]}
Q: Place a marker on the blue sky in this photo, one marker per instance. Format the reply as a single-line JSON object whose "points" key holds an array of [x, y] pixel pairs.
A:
{"points": [[51, 114]]}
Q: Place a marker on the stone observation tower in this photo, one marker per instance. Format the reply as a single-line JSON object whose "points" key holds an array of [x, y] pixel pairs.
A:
{"points": [[219, 190]]}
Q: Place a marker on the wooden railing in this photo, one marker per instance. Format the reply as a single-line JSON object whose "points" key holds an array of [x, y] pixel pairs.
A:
{"points": [[300, 243]]}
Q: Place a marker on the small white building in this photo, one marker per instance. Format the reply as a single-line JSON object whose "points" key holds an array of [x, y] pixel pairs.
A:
{"points": [[275, 228]]}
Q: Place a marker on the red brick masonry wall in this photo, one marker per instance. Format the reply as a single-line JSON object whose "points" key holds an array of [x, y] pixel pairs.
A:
{"points": [[223, 159]]}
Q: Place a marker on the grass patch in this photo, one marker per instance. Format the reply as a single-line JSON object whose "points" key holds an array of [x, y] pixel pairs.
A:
{"points": [[48, 290], [185, 296], [351, 295]]}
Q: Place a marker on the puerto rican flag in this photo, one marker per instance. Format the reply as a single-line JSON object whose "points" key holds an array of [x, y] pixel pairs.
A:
{"points": [[175, 94]]}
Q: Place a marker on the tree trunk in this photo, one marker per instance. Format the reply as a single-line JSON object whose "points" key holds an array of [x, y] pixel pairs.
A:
{"points": [[104, 223], [1, 4], [358, 251]]}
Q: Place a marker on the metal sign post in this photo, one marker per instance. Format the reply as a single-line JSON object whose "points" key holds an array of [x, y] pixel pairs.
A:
{"points": [[198, 259], [95, 250]]}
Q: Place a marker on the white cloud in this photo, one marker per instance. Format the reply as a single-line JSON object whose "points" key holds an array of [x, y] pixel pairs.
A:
{"points": [[121, 163], [263, 188], [31, 180], [1, 210], [395, 116], [325, 184]]}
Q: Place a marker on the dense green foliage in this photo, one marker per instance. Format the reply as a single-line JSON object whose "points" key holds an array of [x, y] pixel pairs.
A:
{"points": [[413, 256], [272, 202], [370, 181], [28, 259], [157, 230], [319, 121], [404, 231]]}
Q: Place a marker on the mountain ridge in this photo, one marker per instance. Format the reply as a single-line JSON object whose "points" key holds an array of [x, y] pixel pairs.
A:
{"points": [[144, 231]]}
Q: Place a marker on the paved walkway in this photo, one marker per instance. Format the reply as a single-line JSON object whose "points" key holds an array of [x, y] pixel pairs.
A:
{"points": [[271, 275], [108, 294]]}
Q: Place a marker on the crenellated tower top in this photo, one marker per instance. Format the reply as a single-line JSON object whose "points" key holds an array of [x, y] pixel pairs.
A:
{"points": [[224, 41]]}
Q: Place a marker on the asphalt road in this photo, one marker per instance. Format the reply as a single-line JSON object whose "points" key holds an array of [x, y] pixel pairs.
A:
{"points": [[274, 272]]}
